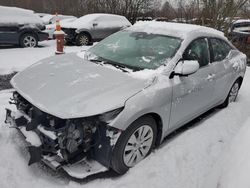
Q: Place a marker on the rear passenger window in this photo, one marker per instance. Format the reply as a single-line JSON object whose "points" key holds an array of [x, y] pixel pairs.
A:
{"points": [[198, 50], [220, 49]]}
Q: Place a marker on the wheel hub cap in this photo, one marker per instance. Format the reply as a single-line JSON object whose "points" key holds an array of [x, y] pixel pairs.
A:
{"points": [[138, 145], [29, 41], [83, 40], [234, 92]]}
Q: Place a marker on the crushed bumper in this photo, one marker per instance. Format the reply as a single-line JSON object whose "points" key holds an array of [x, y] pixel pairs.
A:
{"points": [[81, 169]]}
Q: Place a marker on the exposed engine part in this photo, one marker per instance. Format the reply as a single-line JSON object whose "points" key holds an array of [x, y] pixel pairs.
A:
{"points": [[78, 136], [67, 141]]}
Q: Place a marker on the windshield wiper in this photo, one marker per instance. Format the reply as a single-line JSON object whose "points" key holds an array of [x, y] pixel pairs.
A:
{"points": [[124, 68], [118, 66], [101, 62], [95, 60]]}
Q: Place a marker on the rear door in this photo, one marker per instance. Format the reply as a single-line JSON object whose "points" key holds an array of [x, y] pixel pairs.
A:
{"points": [[105, 25], [8, 34], [223, 66], [193, 95]]}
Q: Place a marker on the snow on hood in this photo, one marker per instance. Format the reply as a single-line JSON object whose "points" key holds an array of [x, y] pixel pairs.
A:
{"points": [[51, 19], [84, 21], [62, 22], [13, 15], [67, 86]]}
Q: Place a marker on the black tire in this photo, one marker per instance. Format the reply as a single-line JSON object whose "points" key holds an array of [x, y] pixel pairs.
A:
{"points": [[28, 40], [227, 101], [82, 39], [117, 161]]}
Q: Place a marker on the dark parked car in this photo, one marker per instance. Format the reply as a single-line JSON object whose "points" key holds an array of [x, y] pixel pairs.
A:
{"points": [[93, 27], [239, 34], [20, 27]]}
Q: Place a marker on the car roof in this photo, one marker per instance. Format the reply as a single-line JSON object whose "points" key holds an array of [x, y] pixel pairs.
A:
{"points": [[97, 15], [241, 21], [180, 30]]}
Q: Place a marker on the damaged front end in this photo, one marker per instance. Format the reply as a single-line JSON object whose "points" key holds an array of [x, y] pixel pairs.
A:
{"points": [[62, 143]]}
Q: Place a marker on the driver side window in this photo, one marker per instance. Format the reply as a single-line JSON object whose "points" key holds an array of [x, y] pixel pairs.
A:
{"points": [[198, 50]]}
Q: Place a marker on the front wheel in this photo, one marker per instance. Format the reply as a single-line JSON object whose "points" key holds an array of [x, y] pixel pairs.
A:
{"points": [[134, 144], [82, 39], [28, 40]]}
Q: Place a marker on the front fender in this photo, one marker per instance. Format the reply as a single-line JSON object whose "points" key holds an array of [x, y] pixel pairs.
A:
{"points": [[83, 30], [153, 99]]}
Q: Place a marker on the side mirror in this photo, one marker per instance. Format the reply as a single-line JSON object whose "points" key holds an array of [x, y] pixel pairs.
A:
{"points": [[185, 68], [95, 24], [232, 53]]}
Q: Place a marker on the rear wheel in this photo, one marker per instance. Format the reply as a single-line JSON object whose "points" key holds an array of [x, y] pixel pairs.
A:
{"points": [[134, 144], [233, 93], [28, 40], [82, 39]]}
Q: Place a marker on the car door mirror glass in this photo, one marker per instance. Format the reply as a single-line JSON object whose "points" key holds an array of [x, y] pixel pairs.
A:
{"points": [[186, 67]]}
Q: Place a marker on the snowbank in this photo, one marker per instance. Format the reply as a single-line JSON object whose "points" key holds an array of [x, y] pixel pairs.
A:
{"points": [[13, 15], [234, 168]]}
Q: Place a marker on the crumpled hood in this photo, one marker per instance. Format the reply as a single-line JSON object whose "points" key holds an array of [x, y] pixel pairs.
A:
{"points": [[67, 86]]}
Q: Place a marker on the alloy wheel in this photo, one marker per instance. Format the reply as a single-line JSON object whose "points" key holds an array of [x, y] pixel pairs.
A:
{"points": [[138, 145], [29, 41], [84, 40], [234, 92]]}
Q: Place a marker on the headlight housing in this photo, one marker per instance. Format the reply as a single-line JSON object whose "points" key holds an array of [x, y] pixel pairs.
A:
{"points": [[111, 115]]}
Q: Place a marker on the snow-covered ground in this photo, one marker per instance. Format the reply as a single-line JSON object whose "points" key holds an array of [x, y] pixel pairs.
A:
{"points": [[191, 159], [16, 59]]}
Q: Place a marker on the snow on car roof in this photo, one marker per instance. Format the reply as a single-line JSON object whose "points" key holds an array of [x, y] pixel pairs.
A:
{"points": [[87, 20], [241, 21], [52, 18], [97, 15], [16, 15], [180, 30]]}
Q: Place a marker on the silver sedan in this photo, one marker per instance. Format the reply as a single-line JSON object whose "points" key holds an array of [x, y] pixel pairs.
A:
{"points": [[131, 90]]}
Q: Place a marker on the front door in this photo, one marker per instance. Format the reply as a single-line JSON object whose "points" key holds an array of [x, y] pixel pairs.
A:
{"points": [[193, 95]]}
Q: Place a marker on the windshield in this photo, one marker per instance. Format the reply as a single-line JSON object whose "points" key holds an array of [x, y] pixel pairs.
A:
{"points": [[137, 50]]}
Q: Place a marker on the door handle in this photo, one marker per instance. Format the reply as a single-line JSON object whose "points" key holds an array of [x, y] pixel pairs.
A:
{"points": [[210, 77]]}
